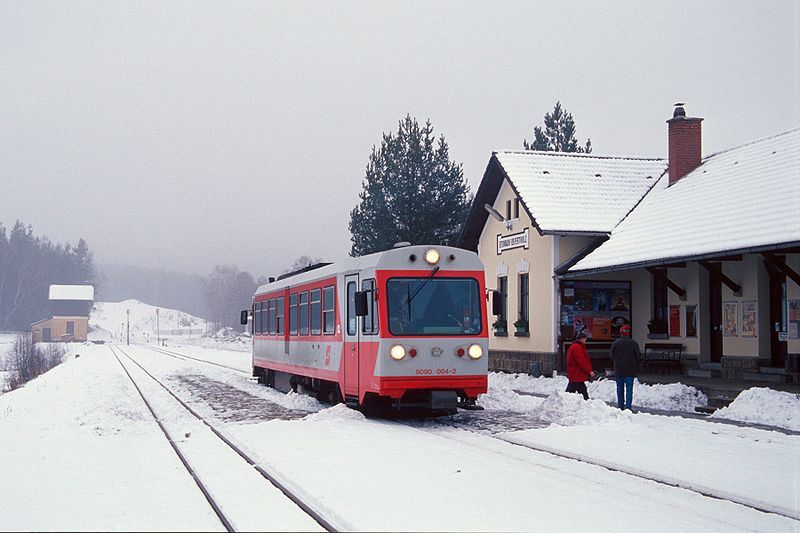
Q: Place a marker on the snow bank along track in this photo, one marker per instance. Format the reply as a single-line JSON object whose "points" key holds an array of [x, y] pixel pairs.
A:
{"points": [[470, 422], [233, 514]]}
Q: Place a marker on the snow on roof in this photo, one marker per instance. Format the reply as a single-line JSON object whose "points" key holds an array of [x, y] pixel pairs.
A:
{"points": [[579, 192], [72, 292], [736, 200]]}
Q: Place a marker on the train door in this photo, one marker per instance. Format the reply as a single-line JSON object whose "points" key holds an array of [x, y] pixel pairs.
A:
{"points": [[351, 338]]}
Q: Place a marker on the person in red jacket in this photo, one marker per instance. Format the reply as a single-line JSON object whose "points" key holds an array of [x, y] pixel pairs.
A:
{"points": [[579, 366]]}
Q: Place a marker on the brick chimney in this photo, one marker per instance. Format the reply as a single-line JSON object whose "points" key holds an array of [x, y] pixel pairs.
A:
{"points": [[684, 144]]}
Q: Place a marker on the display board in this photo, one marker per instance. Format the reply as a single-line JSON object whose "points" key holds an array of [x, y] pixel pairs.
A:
{"points": [[599, 308]]}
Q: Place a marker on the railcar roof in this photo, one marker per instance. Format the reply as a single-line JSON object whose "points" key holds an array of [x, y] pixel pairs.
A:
{"points": [[394, 258]]}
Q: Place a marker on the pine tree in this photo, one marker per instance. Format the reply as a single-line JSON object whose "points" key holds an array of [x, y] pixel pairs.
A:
{"points": [[412, 192], [558, 134]]}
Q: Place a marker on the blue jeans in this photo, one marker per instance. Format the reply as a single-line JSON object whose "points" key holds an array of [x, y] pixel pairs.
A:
{"points": [[624, 389]]}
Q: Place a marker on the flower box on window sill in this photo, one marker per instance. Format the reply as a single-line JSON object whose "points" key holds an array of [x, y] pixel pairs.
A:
{"points": [[498, 333], [519, 333]]}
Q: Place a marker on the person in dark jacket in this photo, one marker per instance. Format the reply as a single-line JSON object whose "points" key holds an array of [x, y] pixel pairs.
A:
{"points": [[624, 353], [579, 366]]}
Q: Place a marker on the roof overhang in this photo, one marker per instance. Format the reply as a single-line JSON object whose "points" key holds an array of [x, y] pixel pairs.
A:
{"points": [[786, 247]]}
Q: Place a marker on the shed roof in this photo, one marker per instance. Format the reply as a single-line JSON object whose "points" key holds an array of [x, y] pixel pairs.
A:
{"points": [[743, 199], [72, 292]]}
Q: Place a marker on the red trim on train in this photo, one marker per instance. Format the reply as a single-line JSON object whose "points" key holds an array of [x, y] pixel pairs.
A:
{"points": [[396, 386], [328, 375]]}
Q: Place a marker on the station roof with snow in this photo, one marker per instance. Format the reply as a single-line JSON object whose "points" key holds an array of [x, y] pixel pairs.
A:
{"points": [[742, 200], [72, 292], [564, 193]]}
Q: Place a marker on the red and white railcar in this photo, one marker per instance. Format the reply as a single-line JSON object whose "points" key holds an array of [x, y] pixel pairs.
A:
{"points": [[406, 327]]}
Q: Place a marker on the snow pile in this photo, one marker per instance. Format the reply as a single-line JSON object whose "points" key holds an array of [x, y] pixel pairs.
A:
{"points": [[110, 320], [339, 412], [225, 338], [664, 396], [568, 409], [501, 397], [667, 397], [764, 406]]}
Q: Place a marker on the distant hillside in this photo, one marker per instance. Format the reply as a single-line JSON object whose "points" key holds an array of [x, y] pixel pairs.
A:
{"points": [[109, 320], [161, 288]]}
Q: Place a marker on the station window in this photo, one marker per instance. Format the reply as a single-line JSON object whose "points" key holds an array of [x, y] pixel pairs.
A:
{"points": [[328, 310], [508, 209], [279, 316], [70, 327], [370, 323], [272, 316], [502, 287], [523, 297], [293, 314], [303, 311], [516, 207], [316, 312]]}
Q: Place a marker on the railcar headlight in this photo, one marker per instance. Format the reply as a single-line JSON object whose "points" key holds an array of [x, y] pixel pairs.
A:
{"points": [[397, 352], [432, 256], [475, 351]]}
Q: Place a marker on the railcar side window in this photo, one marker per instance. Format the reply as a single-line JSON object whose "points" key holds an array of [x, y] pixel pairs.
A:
{"points": [[293, 314], [272, 316], [316, 312], [303, 310], [257, 318], [328, 313], [369, 325], [352, 319], [264, 316], [279, 316]]}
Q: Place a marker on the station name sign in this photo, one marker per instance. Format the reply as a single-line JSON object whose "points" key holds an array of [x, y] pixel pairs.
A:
{"points": [[509, 242]]}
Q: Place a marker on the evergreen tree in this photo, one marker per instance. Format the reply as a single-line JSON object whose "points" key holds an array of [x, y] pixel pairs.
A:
{"points": [[412, 192], [558, 134], [28, 266]]}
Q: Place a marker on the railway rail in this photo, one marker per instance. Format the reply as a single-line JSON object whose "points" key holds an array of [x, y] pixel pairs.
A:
{"points": [[471, 422], [213, 497], [179, 355], [491, 424]]}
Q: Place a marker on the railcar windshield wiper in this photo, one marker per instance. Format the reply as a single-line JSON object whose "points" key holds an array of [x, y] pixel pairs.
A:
{"points": [[424, 282]]}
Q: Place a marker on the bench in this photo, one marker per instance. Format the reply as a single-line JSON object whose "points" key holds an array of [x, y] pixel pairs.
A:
{"points": [[664, 355]]}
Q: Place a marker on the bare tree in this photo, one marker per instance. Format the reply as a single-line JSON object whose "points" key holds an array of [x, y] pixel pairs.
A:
{"points": [[302, 262], [226, 291]]}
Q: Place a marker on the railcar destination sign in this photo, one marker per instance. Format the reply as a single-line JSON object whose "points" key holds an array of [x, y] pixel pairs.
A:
{"points": [[509, 242]]}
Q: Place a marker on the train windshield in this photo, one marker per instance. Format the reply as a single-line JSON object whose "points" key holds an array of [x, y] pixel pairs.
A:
{"points": [[434, 306]]}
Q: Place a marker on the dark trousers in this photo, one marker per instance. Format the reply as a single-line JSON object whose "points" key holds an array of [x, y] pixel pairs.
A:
{"points": [[624, 391], [578, 386]]}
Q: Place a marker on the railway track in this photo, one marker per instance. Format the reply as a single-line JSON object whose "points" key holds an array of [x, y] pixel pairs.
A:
{"points": [[213, 460], [486, 430], [183, 356]]}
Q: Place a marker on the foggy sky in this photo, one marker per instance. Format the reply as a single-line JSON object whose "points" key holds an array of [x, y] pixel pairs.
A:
{"points": [[181, 135]]}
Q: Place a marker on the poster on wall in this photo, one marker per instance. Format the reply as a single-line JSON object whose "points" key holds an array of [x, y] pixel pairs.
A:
{"points": [[674, 320], [691, 321], [749, 318], [729, 317], [794, 319], [598, 308]]}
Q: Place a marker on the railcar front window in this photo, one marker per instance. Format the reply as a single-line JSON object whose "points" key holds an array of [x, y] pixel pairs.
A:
{"points": [[435, 306]]}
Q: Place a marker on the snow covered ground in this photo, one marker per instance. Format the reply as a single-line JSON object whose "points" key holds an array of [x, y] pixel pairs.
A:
{"points": [[80, 452]]}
